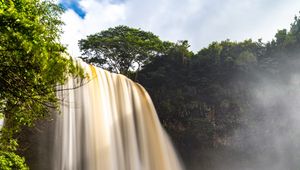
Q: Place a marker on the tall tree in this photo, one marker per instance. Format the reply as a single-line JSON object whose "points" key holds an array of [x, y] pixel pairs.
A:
{"points": [[31, 66], [121, 49]]}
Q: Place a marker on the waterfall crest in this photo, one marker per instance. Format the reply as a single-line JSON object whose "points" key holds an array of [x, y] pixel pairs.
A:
{"points": [[109, 123]]}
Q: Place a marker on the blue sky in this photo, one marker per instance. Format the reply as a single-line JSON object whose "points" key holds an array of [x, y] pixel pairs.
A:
{"points": [[198, 21], [73, 5]]}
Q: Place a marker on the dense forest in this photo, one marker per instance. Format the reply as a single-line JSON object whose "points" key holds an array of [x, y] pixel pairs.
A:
{"points": [[209, 101], [230, 105]]}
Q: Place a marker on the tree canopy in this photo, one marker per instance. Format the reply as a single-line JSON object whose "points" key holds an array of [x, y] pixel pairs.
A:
{"points": [[121, 49]]}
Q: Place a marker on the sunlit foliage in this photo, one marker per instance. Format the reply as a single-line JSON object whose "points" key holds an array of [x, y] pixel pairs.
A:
{"points": [[31, 66]]}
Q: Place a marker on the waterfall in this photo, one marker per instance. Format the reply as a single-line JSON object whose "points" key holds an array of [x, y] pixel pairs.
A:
{"points": [[108, 122]]}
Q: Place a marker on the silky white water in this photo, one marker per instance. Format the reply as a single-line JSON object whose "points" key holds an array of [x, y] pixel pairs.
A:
{"points": [[109, 123]]}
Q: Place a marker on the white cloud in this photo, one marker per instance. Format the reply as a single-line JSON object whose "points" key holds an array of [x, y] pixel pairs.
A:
{"points": [[99, 16], [199, 21]]}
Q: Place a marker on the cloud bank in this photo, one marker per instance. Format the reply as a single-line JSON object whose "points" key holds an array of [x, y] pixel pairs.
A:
{"points": [[198, 21]]}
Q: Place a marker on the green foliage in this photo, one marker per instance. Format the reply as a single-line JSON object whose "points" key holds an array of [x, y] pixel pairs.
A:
{"points": [[246, 58], [11, 161], [121, 49], [181, 47], [32, 64]]}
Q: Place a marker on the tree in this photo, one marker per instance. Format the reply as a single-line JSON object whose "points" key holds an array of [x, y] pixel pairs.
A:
{"points": [[121, 49], [31, 66]]}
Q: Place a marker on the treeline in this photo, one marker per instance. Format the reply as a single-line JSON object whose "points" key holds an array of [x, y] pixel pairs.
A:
{"points": [[203, 98]]}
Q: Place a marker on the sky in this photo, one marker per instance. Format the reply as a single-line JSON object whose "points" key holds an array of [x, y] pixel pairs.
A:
{"points": [[199, 21]]}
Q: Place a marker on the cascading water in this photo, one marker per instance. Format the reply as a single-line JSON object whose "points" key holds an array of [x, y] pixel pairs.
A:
{"points": [[109, 123]]}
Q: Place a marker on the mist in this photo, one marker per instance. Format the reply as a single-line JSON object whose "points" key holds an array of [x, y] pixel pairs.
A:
{"points": [[269, 133]]}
